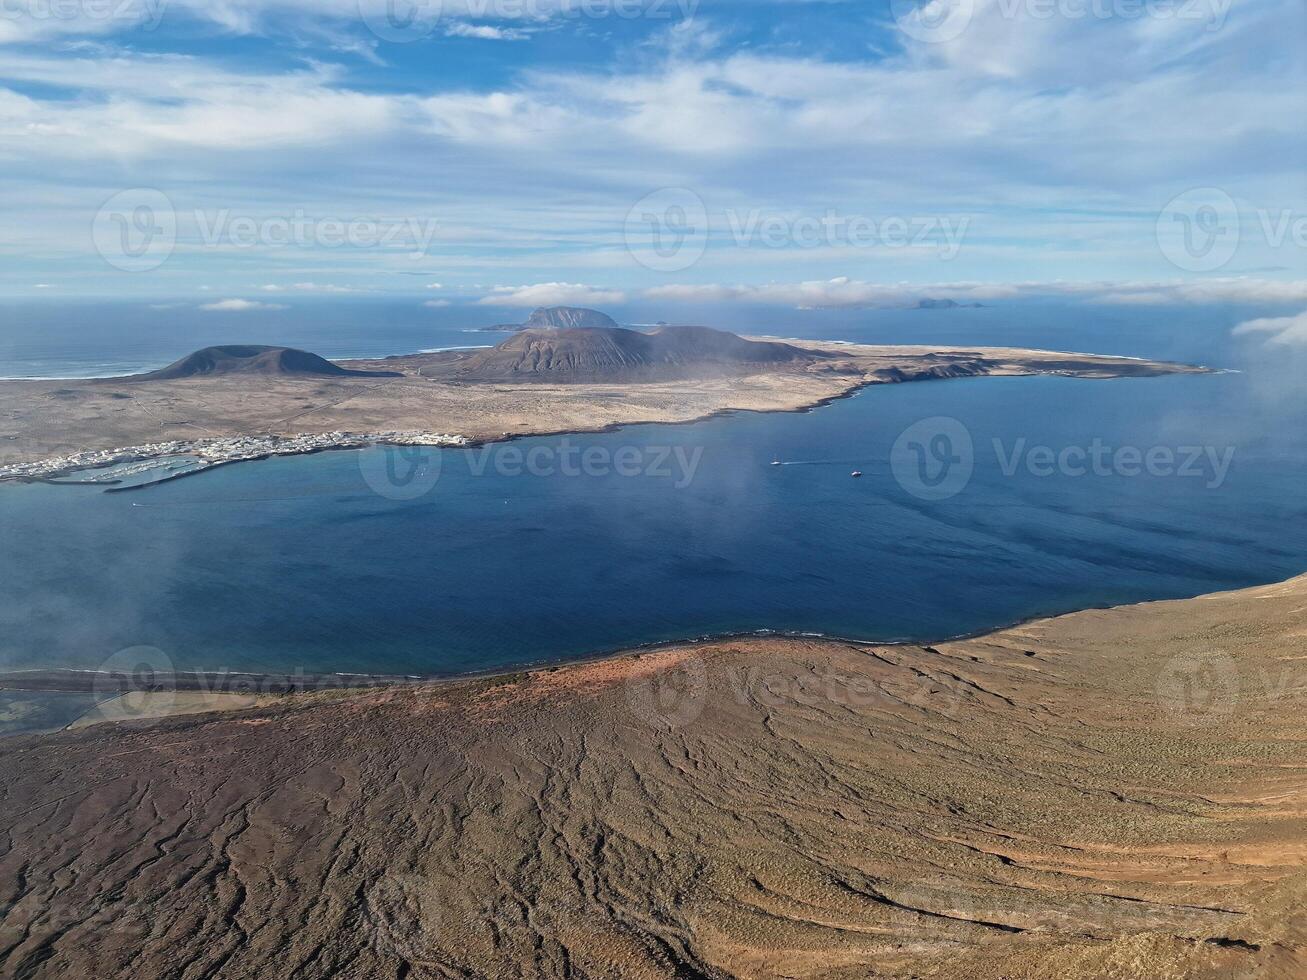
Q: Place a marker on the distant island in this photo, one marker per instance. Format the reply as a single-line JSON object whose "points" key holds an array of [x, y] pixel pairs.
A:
{"points": [[946, 304], [555, 318], [239, 402]]}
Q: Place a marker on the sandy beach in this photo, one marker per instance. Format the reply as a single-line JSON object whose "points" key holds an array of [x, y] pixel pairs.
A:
{"points": [[1112, 793]]}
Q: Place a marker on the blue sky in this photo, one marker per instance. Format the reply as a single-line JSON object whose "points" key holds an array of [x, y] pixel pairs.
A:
{"points": [[800, 153]]}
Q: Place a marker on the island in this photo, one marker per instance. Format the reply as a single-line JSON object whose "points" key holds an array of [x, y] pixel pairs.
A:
{"points": [[235, 403], [554, 318]]}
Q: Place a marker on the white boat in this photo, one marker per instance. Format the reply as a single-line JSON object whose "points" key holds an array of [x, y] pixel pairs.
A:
{"points": [[856, 473]]}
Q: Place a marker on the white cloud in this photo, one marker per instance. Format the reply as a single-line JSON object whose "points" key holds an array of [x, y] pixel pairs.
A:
{"points": [[240, 306], [846, 293], [156, 105], [1223, 290], [551, 294], [1290, 330], [309, 287], [485, 32], [1064, 166], [239, 17]]}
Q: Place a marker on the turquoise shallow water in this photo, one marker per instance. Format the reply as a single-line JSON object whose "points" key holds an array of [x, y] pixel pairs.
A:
{"points": [[469, 560]]}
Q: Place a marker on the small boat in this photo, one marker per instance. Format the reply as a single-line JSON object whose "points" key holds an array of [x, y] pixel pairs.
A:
{"points": [[776, 462], [856, 473]]}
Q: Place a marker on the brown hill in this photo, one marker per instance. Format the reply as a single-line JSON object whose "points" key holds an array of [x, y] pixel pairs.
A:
{"points": [[615, 353], [253, 359]]}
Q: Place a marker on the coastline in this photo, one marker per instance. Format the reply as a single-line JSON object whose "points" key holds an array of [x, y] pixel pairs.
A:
{"points": [[1055, 799], [79, 680], [211, 455], [797, 393]]}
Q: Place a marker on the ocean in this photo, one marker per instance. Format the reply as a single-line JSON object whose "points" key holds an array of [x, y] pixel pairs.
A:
{"points": [[981, 502]]}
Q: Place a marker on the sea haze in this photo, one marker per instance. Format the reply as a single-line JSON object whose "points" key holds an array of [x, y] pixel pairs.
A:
{"points": [[298, 563]]}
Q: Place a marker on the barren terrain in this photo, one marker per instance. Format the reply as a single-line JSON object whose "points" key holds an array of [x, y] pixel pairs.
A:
{"points": [[1117, 793]]}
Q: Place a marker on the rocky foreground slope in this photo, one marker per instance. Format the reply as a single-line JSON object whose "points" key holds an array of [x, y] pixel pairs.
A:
{"points": [[1114, 793]]}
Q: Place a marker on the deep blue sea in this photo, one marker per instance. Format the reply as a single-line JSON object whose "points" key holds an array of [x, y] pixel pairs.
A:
{"points": [[561, 546]]}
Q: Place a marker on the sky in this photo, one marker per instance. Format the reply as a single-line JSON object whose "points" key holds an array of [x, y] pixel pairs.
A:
{"points": [[814, 154]]}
